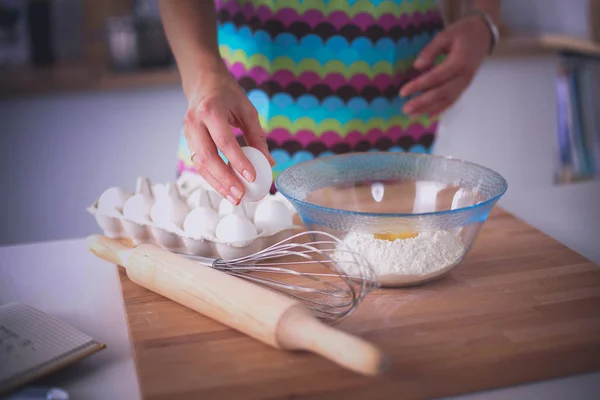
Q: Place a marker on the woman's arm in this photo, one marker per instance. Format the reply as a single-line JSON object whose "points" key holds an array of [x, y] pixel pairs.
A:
{"points": [[216, 102], [191, 28], [490, 7]]}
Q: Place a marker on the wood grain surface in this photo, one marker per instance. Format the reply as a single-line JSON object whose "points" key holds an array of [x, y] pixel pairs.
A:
{"points": [[520, 308]]}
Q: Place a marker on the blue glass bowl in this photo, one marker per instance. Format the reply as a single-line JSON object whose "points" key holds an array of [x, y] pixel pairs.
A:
{"points": [[413, 216]]}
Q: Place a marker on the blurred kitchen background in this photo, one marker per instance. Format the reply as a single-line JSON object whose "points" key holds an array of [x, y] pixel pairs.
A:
{"points": [[90, 98]]}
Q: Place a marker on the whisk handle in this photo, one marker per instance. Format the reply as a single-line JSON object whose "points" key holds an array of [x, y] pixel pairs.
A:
{"points": [[298, 329], [206, 261]]}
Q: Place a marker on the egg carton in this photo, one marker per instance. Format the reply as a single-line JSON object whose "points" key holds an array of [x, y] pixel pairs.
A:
{"points": [[172, 236]]}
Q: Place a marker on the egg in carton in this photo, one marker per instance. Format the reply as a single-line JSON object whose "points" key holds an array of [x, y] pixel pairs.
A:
{"points": [[189, 217]]}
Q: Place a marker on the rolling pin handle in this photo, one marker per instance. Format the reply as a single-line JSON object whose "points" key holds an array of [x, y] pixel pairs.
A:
{"points": [[298, 329], [108, 249]]}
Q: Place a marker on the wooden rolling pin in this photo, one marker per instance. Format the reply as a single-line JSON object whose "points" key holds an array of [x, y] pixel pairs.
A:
{"points": [[270, 317]]}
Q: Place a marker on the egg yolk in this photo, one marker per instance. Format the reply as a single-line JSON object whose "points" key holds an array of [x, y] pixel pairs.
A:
{"points": [[394, 236]]}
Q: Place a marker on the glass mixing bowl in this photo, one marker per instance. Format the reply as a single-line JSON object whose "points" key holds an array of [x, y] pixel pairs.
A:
{"points": [[412, 216]]}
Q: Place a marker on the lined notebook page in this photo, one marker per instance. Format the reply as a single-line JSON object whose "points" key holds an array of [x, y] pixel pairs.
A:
{"points": [[33, 344]]}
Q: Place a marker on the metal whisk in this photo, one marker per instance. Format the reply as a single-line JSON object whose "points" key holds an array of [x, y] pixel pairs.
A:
{"points": [[334, 279]]}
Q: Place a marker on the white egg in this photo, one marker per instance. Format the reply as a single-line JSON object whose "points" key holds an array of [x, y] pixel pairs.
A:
{"points": [[159, 189], [214, 198], [189, 182], [235, 229], [250, 207], [272, 216], [283, 200], [225, 208], [258, 189], [139, 206], [201, 222], [170, 210], [111, 202], [198, 198]]}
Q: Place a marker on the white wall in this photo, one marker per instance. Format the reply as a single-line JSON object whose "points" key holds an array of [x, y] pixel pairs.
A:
{"points": [[567, 17], [507, 121], [58, 153]]}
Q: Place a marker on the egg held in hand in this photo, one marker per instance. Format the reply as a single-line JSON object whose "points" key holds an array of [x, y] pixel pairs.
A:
{"points": [[272, 216], [235, 228], [261, 186], [201, 222]]}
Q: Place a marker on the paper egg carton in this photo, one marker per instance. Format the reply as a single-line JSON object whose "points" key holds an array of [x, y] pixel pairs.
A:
{"points": [[108, 211]]}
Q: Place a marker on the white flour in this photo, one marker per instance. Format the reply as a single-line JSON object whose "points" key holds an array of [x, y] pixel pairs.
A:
{"points": [[421, 255]]}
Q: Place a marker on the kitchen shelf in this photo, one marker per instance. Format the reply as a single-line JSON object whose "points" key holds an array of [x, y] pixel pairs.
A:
{"points": [[545, 44], [28, 81]]}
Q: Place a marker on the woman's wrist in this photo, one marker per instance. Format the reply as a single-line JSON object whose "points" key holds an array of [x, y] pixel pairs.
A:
{"points": [[489, 28], [199, 69], [490, 7], [487, 12]]}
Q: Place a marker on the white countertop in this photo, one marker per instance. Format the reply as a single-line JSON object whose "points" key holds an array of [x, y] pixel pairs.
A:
{"points": [[65, 280]]}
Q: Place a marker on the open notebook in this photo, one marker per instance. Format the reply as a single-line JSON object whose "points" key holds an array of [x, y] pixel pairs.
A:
{"points": [[33, 344]]}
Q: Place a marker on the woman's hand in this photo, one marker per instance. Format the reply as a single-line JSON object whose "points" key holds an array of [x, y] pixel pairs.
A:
{"points": [[216, 104], [466, 43]]}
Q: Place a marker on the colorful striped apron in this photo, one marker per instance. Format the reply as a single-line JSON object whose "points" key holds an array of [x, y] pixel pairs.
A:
{"points": [[324, 75]]}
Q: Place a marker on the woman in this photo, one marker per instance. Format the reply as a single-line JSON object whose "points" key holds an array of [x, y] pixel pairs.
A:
{"points": [[299, 79]]}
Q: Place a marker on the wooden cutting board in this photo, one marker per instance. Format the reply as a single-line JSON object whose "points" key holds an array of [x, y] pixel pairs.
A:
{"points": [[521, 307]]}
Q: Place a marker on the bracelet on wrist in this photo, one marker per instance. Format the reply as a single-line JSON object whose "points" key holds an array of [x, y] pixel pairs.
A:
{"points": [[487, 20]]}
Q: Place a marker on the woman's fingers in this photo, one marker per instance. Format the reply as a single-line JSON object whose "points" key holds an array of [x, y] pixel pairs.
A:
{"points": [[440, 44], [433, 99], [253, 132], [209, 129], [435, 109], [207, 160], [223, 137], [454, 89], [214, 182], [438, 75]]}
